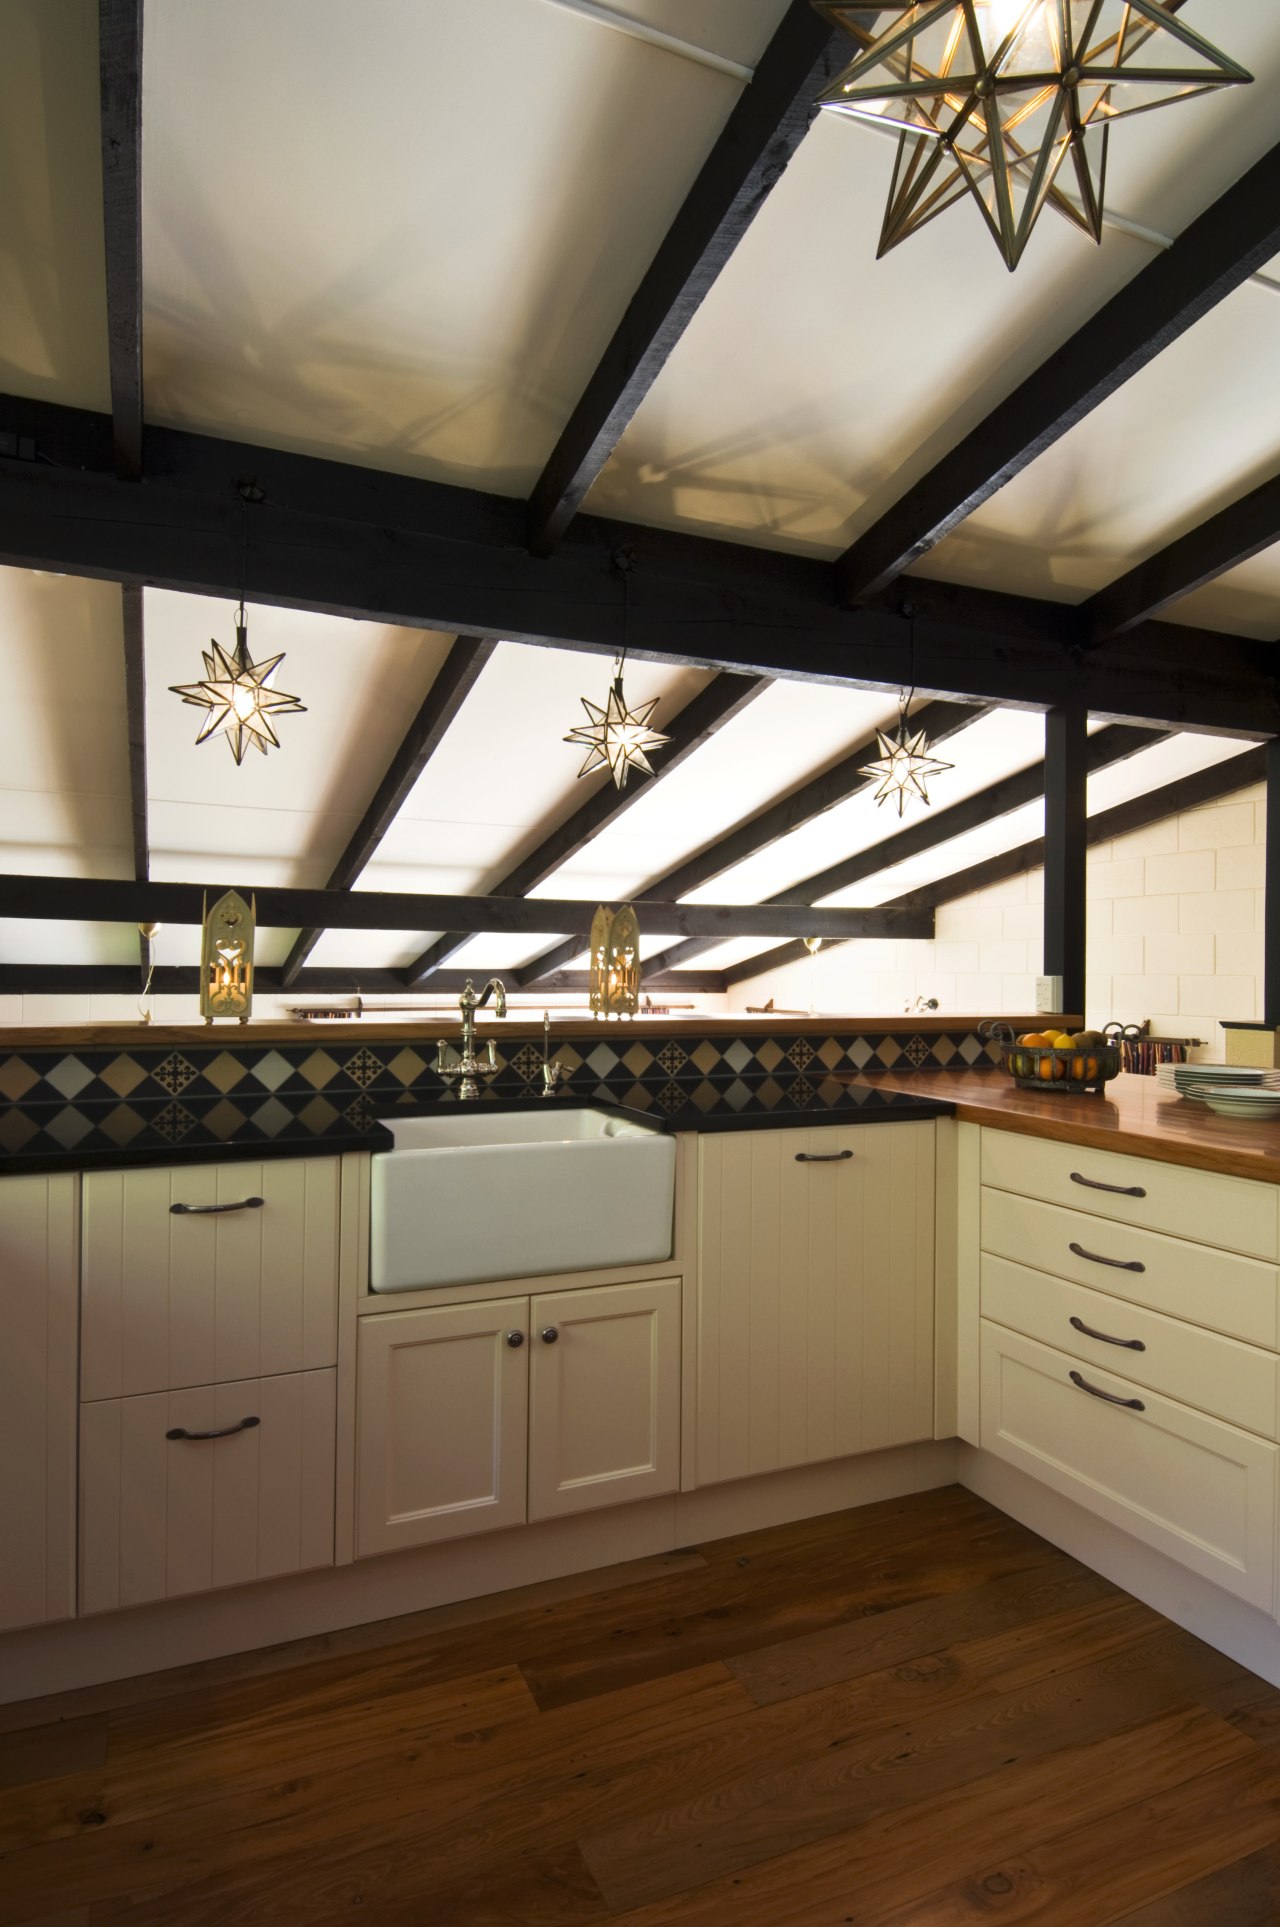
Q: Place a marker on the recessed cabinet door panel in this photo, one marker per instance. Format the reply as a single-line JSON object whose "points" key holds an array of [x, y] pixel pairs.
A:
{"points": [[161, 1516], [604, 1396], [1194, 1488], [441, 1409], [815, 1310], [39, 1224], [226, 1289]]}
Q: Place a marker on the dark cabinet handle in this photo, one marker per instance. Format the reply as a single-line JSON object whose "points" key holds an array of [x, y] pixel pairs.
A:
{"points": [[1121, 1190], [1117, 1264], [207, 1210], [549, 1334], [822, 1157], [1129, 1344], [1131, 1404], [228, 1431], [515, 1340]]}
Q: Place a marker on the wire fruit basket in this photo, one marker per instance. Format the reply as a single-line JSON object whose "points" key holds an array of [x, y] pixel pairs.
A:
{"points": [[1084, 1063]]}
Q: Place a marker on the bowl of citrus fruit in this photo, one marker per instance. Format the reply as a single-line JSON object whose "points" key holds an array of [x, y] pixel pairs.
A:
{"points": [[1057, 1060]]}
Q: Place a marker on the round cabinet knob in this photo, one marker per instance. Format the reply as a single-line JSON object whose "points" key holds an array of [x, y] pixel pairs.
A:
{"points": [[549, 1334], [515, 1340]]}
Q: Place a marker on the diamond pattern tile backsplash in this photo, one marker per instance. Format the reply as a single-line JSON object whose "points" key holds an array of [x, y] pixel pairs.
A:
{"points": [[317, 1091]]}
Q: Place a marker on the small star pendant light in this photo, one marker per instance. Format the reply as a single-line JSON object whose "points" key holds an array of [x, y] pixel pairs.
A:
{"points": [[616, 735], [238, 695], [904, 762], [989, 97], [235, 689]]}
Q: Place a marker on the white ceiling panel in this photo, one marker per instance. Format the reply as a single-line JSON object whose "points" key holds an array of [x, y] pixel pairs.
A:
{"points": [[1246, 600], [64, 764], [285, 817], [53, 303], [403, 232]]}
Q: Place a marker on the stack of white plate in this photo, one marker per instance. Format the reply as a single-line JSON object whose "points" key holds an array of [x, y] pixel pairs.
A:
{"points": [[1232, 1090]]}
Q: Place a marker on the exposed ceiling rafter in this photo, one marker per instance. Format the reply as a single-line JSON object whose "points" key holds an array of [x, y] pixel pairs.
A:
{"points": [[812, 799], [346, 541], [1221, 248], [763, 131], [1240, 530], [723, 698], [120, 90], [1113, 744], [107, 900], [454, 681]]}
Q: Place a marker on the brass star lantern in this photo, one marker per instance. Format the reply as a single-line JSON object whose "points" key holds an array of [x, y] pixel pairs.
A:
{"points": [[904, 763], [990, 97], [238, 695], [616, 735]]}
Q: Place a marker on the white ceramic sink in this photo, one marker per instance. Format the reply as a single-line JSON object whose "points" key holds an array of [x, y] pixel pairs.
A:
{"points": [[467, 1199]]}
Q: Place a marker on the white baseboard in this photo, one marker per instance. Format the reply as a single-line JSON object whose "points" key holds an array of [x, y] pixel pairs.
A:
{"points": [[1250, 1637], [45, 1660]]}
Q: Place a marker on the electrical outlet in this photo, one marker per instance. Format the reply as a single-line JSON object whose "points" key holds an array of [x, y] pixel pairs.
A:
{"points": [[1048, 993]]}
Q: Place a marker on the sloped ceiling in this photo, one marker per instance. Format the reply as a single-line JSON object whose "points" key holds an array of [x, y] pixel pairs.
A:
{"points": [[401, 236]]}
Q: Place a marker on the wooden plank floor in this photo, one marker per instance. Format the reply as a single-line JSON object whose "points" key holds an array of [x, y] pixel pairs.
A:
{"points": [[917, 1714]]}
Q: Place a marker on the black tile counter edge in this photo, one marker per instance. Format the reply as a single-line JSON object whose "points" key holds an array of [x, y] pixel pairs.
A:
{"points": [[890, 1108]]}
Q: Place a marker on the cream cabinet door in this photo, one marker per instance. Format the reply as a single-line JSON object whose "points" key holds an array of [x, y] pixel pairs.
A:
{"points": [[604, 1396], [441, 1415], [39, 1241], [197, 1273], [211, 1486], [815, 1308]]}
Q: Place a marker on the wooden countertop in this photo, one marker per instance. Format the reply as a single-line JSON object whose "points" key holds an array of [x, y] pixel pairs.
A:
{"points": [[1131, 1115]]}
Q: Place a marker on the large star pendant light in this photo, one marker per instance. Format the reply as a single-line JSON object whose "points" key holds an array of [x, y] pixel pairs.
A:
{"points": [[904, 763], [617, 735], [238, 695], [991, 96]]}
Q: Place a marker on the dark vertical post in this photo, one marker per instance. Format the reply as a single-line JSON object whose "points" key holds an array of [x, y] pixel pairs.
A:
{"points": [[1271, 878], [1065, 777]]}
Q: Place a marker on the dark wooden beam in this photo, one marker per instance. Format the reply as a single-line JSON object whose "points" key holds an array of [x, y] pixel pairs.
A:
{"points": [[135, 701], [1066, 808], [1271, 904], [748, 160], [1221, 248], [723, 698], [346, 541], [106, 900], [338, 981], [1235, 533], [120, 87], [454, 682], [1113, 744], [835, 785]]}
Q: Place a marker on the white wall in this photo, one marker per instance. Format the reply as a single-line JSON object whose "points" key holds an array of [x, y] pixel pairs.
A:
{"points": [[1175, 935]]}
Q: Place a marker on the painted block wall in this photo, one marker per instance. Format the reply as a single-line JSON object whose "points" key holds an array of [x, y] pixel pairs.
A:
{"points": [[1174, 935]]}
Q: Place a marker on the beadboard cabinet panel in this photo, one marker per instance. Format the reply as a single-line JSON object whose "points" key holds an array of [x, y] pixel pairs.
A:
{"points": [[815, 1308], [39, 1246], [442, 1406], [162, 1517], [188, 1299], [604, 1396]]}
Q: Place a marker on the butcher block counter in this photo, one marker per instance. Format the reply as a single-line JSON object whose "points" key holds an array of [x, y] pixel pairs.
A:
{"points": [[1131, 1115]]}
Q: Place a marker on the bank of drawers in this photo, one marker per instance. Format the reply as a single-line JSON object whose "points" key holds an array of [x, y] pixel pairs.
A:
{"points": [[1129, 1350], [207, 1380]]}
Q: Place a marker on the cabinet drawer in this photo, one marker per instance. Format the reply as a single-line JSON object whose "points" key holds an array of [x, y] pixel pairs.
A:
{"points": [[161, 1516], [225, 1289], [1197, 1490], [1217, 1289], [1200, 1368], [1215, 1210]]}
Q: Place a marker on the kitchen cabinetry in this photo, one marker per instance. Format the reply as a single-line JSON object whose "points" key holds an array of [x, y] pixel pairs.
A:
{"points": [[208, 1380], [815, 1308], [39, 1244], [471, 1417], [1134, 1371]]}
